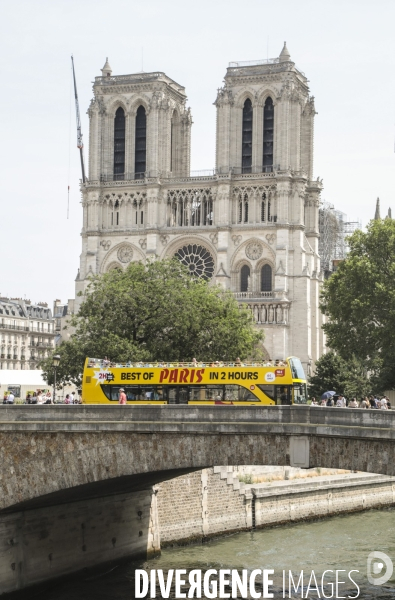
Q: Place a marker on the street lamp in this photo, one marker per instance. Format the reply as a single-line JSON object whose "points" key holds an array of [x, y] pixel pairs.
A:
{"points": [[56, 363]]}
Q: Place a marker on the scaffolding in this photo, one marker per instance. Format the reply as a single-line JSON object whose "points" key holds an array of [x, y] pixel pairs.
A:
{"points": [[334, 229]]}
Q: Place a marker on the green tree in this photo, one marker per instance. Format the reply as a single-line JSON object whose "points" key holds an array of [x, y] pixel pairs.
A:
{"points": [[329, 375], [155, 311], [332, 372], [359, 301]]}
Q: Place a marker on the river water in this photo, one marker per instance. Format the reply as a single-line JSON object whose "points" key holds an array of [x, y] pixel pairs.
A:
{"points": [[342, 543]]}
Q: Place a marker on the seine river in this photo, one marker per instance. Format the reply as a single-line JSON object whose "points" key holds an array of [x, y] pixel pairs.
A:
{"points": [[342, 542]]}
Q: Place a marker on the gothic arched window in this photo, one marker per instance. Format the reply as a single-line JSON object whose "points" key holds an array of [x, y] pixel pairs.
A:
{"points": [[119, 144], [268, 135], [140, 143], [246, 149], [244, 278], [263, 208], [246, 210], [266, 278], [242, 208]]}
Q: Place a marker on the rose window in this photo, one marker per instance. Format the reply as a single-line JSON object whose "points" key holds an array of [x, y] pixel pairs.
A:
{"points": [[197, 259], [125, 253]]}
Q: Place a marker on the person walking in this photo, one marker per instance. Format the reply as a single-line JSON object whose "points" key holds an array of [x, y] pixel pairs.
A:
{"points": [[122, 396]]}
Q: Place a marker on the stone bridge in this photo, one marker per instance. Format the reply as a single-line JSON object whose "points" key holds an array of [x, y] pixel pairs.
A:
{"points": [[77, 482]]}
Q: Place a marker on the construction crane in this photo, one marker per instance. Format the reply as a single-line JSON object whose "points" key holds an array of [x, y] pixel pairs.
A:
{"points": [[80, 144]]}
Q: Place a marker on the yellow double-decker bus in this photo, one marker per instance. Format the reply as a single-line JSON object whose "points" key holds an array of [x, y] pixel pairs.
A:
{"points": [[242, 383]]}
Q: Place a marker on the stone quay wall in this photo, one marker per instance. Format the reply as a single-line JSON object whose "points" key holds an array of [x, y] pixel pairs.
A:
{"points": [[214, 502]]}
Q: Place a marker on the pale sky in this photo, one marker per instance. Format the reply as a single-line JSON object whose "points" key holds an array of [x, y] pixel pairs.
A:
{"points": [[345, 47]]}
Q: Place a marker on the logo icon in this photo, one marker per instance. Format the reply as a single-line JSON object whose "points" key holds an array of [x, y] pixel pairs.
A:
{"points": [[270, 376], [375, 564]]}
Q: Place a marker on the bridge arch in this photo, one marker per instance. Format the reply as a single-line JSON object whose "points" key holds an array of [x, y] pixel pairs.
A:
{"points": [[61, 454]]}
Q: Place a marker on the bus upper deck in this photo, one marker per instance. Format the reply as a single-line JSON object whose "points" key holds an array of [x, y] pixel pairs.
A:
{"points": [[195, 382]]}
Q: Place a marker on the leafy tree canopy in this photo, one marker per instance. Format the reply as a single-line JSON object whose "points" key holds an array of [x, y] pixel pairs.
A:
{"points": [[155, 311], [359, 300], [332, 372]]}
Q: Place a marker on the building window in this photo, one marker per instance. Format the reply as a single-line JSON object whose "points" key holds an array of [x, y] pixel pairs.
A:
{"points": [[242, 209], [190, 208], [244, 278], [263, 208], [117, 217], [197, 259], [245, 211], [246, 160], [119, 144], [266, 278], [268, 135], [141, 143]]}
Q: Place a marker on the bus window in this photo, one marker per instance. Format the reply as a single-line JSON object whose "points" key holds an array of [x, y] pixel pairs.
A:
{"points": [[299, 393], [214, 392], [231, 393], [225, 393], [246, 396], [296, 368], [268, 390], [283, 395], [280, 393], [197, 392], [134, 392], [176, 395]]}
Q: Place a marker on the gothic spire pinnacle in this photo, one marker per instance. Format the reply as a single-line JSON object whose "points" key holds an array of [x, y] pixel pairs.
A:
{"points": [[389, 213], [377, 213], [285, 55], [106, 70]]}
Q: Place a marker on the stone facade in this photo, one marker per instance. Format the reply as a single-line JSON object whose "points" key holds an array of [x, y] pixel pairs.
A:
{"points": [[26, 333], [42, 544], [250, 225], [56, 455], [198, 505], [214, 502]]}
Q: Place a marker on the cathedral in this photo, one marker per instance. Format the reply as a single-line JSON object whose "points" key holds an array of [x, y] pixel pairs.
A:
{"points": [[250, 225]]}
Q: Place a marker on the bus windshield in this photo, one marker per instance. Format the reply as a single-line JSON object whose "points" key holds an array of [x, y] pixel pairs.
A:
{"points": [[296, 368]]}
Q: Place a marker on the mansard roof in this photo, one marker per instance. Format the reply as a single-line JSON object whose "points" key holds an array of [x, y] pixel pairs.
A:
{"points": [[37, 311], [16, 307], [12, 308]]}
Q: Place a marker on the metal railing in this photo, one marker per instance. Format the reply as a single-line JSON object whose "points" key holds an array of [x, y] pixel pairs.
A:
{"points": [[96, 363], [253, 295], [14, 327], [255, 169], [254, 63]]}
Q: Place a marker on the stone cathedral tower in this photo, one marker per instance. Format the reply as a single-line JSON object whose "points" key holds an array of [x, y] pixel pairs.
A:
{"points": [[251, 225]]}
